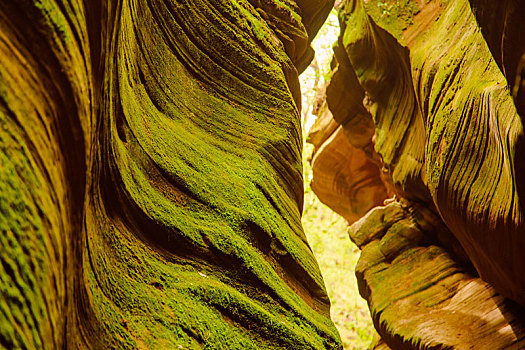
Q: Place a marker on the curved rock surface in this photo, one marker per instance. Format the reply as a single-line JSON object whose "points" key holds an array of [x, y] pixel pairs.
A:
{"points": [[151, 183], [442, 82], [419, 295], [345, 166]]}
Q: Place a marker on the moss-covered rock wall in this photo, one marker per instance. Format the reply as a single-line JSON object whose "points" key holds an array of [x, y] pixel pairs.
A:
{"points": [[150, 175]]}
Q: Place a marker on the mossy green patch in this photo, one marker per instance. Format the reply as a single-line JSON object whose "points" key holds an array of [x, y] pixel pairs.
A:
{"points": [[393, 15], [204, 154]]}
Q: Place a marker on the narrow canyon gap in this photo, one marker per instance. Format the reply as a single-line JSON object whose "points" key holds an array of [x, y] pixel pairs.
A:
{"points": [[424, 110]]}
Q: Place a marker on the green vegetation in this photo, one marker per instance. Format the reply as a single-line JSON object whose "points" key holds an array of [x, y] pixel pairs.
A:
{"points": [[318, 73], [337, 257], [392, 15], [327, 231]]}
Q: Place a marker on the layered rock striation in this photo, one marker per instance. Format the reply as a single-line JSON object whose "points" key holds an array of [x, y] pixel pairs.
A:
{"points": [[151, 179], [433, 90]]}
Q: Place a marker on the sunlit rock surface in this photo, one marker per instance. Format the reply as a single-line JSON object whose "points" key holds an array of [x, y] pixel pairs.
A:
{"points": [[442, 84], [346, 175], [150, 173]]}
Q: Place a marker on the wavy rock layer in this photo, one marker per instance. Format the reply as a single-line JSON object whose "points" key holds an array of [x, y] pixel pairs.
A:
{"points": [[151, 181], [345, 166], [419, 295], [469, 119], [442, 83]]}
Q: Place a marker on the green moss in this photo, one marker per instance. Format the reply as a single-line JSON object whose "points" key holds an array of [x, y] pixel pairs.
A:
{"points": [[392, 15], [189, 228], [26, 267], [208, 154]]}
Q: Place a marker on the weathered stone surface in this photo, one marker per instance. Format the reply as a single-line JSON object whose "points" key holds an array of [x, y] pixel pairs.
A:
{"points": [[380, 345], [502, 26], [458, 123], [346, 173], [419, 296], [150, 173], [344, 177], [442, 82]]}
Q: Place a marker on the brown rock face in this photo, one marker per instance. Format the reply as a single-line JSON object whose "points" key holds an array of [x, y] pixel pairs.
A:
{"points": [[502, 26], [151, 184], [344, 163], [431, 93], [419, 294], [352, 185]]}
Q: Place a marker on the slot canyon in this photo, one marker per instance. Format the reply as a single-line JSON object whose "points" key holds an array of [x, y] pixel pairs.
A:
{"points": [[151, 172]]}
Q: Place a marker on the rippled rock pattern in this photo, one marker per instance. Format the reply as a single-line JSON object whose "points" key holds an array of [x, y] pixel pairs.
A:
{"points": [[346, 175], [151, 183], [437, 88]]}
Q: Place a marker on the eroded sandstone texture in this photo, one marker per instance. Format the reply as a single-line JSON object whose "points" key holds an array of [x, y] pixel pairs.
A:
{"points": [[429, 95], [150, 176]]}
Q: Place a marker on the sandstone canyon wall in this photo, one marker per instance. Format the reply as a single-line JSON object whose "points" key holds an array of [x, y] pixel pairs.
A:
{"points": [[150, 174], [151, 185], [425, 106]]}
